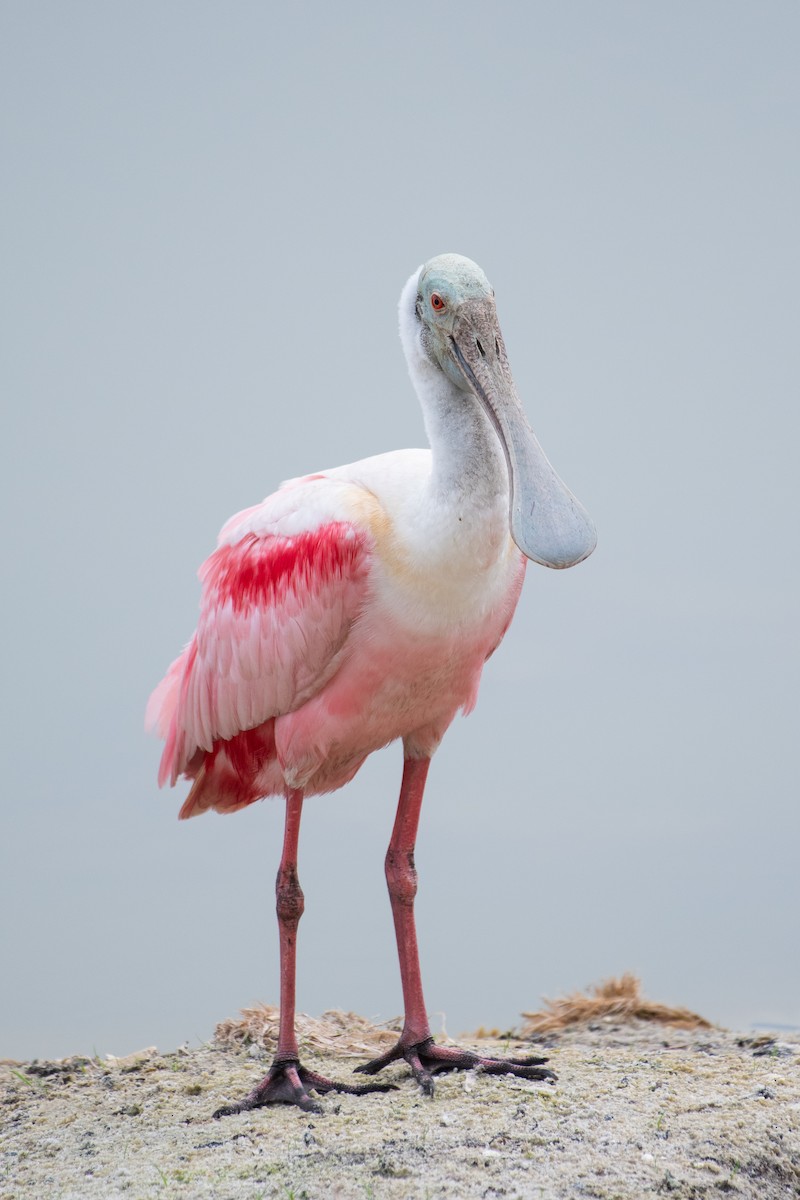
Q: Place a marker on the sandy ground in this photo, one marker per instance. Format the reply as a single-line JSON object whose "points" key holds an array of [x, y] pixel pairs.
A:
{"points": [[638, 1110]]}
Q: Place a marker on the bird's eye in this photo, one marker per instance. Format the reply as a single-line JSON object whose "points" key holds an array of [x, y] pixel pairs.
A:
{"points": [[437, 303]]}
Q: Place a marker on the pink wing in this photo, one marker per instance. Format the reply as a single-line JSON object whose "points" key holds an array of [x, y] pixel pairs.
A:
{"points": [[275, 614]]}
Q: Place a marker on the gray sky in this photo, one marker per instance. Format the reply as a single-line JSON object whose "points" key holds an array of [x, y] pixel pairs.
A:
{"points": [[209, 213]]}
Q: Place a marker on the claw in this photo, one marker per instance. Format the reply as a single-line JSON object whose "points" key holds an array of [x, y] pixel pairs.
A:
{"points": [[227, 1110], [423, 1077]]}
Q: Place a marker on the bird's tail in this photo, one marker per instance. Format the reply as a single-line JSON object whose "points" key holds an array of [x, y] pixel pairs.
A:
{"points": [[235, 773]]}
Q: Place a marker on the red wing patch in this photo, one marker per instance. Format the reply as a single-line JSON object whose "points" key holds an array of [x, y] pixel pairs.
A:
{"points": [[258, 571], [275, 613]]}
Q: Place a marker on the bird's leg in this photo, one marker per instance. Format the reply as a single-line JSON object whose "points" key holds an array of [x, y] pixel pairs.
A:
{"points": [[401, 879], [416, 1044], [287, 1082]]}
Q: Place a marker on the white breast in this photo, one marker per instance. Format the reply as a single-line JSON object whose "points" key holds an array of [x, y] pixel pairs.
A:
{"points": [[441, 561]]}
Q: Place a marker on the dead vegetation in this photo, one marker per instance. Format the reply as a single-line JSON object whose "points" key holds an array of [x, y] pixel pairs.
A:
{"points": [[335, 1032], [620, 999], [349, 1035]]}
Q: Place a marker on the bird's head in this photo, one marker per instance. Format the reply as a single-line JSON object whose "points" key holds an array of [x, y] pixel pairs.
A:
{"points": [[454, 329]]}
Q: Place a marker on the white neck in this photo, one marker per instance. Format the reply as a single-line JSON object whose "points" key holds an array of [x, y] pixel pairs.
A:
{"points": [[468, 460]]}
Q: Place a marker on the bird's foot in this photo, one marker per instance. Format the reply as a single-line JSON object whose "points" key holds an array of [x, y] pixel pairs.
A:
{"points": [[288, 1082], [426, 1059]]}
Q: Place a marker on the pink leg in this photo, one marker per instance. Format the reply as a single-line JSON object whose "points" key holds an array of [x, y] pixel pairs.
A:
{"points": [[416, 1045], [290, 905], [401, 879], [287, 1082]]}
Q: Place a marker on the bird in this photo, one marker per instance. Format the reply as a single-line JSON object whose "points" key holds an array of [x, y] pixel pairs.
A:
{"points": [[355, 607]]}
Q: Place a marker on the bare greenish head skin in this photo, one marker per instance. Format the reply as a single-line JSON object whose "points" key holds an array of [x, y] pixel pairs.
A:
{"points": [[461, 334], [458, 277]]}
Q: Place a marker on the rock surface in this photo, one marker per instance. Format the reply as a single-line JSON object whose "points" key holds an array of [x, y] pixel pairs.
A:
{"points": [[638, 1110]]}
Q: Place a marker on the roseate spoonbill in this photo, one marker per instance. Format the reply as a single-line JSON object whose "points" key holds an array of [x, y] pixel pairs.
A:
{"points": [[358, 605]]}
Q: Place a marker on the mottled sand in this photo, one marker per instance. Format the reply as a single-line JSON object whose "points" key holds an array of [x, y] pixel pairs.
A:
{"points": [[638, 1110]]}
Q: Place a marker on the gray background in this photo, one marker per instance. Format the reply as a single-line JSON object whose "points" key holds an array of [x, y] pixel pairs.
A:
{"points": [[210, 210]]}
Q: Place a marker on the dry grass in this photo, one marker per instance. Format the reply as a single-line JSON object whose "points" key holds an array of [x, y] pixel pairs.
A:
{"points": [[620, 998], [334, 1032], [349, 1035]]}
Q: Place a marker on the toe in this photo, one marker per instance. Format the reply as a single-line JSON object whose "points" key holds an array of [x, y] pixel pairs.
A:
{"points": [[227, 1110], [420, 1073]]}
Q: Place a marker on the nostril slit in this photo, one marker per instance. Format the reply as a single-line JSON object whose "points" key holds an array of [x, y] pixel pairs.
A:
{"points": [[497, 347], [481, 350]]}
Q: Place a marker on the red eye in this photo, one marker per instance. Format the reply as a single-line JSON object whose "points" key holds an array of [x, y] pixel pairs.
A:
{"points": [[437, 303]]}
